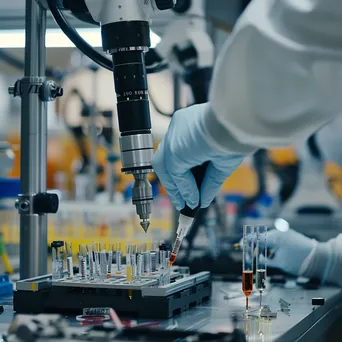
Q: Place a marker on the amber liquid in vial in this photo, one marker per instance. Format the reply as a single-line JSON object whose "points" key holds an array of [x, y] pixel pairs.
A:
{"points": [[247, 282], [173, 257]]}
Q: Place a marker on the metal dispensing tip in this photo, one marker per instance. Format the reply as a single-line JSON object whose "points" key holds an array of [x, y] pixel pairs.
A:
{"points": [[145, 224]]}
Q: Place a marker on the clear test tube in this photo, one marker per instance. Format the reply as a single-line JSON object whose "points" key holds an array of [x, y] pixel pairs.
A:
{"points": [[92, 269], [167, 272], [118, 257], [70, 266], [133, 255], [247, 261], [96, 251], [261, 257], [140, 261], [110, 260], [154, 256], [57, 259], [147, 261], [128, 254], [103, 261], [164, 253], [82, 259]]}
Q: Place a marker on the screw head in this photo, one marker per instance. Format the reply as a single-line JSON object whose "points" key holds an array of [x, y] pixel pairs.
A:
{"points": [[11, 90]]}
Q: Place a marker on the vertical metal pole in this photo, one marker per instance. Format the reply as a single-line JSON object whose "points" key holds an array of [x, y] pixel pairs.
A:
{"points": [[33, 228]]}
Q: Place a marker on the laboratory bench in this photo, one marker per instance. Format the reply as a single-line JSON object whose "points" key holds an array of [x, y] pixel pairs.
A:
{"points": [[297, 319]]}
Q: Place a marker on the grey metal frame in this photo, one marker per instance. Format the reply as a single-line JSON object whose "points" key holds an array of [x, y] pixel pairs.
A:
{"points": [[35, 91], [33, 227]]}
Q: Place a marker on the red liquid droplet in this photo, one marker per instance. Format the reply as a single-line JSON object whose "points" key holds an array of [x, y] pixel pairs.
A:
{"points": [[173, 257]]}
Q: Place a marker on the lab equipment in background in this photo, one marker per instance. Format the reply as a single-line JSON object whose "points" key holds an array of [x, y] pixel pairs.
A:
{"points": [[57, 259], [247, 261], [261, 258], [6, 286], [6, 159], [303, 208], [68, 253], [4, 257], [82, 259]]}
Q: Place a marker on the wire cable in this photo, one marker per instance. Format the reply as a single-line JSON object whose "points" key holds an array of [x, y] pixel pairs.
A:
{"points": [[84, 47], [79, 42]]}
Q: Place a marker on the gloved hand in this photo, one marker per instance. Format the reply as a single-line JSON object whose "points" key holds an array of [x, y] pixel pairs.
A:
{"points": [[185, 146], [289, 250]]}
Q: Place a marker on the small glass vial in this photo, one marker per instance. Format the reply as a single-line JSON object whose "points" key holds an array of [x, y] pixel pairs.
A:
{"points": [[154, 257], [140, 261], [70, 266], [57, 260], [82, 259], [133, 255], [118, 257], [110, 260], [96, 250], [103, 261], [91, 262]]}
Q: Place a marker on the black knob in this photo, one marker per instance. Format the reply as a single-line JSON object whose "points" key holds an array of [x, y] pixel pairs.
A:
{"points": [[57, 244], [165, 4], [59, 92], [46, 203]]}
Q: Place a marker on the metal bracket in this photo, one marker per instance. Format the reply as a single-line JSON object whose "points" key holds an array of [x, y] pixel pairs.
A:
{"points": [[24, 204], [46, 89], [43, 203]]}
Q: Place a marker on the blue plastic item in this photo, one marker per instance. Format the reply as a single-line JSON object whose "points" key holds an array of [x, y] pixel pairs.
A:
{"points": [[9, 187], [6, 287]]}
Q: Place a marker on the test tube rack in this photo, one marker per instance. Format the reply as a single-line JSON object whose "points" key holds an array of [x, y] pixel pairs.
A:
{"points": [[141, 299]]}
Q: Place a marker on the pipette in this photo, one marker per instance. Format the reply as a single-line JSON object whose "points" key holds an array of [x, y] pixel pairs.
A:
{"points": [[187, 215]]}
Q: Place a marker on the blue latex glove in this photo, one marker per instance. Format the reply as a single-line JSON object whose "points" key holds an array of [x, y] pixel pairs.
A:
{"points": [[185, 146], [290, 249]]}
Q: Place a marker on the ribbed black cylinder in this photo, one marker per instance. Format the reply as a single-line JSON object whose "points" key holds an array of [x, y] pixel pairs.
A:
{"points": [[131, 88], [125, 34]]}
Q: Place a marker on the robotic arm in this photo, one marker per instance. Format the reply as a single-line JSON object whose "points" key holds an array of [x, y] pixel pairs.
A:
{"points": [[188, 47], [126, 37]]}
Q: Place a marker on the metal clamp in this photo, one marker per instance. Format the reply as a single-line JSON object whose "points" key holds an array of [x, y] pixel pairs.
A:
{"points": [[49, 91], [42, 203], [46, 89]]}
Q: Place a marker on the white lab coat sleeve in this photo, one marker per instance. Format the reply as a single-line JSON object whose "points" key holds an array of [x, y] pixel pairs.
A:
{"points": [[278, 78], [326, 262]]}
